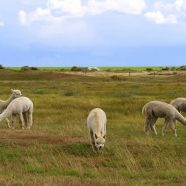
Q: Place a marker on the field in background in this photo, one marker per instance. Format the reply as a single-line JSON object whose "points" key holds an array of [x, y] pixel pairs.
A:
{"points": [[56, 151], [106, 68]]}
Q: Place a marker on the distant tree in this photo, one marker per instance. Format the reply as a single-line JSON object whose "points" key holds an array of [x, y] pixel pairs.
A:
{"points": [[165, 68], [1, 67], [34, 68], [181, 68], [24, 68], [149, 69], [75, 68]]}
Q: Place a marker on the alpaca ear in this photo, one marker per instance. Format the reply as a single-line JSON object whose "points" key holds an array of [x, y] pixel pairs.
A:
{"points": [[96, 136]]}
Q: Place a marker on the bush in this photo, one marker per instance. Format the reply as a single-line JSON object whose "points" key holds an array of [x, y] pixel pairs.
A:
{"points": [[149, 69], [1, 67], [75, 68], [166, 68], [115, 77], [182, 68], [34, 68], [25, 68]]}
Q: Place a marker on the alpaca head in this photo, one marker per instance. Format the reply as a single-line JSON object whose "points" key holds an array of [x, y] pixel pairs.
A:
{"points": [[99, 142], [16, 93]]}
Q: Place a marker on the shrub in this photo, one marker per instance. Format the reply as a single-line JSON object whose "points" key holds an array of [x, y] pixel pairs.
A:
{"points": [[115, 77], [165, 68], [1, 67], [182, 68], [149, 69], [34, 68], [75, 68], [25, 68]]}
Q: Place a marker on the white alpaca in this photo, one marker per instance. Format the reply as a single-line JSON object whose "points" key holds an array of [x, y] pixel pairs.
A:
{"points": [[4, 104], [22, 106], [179, 104], [96, 124], [157, 109]]}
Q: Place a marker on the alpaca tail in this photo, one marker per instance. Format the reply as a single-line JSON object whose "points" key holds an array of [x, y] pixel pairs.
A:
{"points": [[144, 110], [180, 118]]}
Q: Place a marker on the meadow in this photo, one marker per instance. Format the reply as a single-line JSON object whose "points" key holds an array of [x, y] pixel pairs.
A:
{"points": [[56, 151]]}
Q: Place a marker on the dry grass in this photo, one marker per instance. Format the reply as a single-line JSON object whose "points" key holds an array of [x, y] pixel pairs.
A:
{"points": [[56, 151]]}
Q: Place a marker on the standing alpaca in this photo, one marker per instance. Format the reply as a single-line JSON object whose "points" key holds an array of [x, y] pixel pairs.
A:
{"points": [[4, 104], [22, 106], [157, 109], [179, 104], [96, 124]]}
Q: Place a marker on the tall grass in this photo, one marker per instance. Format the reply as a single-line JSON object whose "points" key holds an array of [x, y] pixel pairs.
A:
{"points": [[56, 151]]}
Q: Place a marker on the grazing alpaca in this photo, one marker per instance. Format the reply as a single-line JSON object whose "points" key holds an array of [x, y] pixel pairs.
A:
{"points": [[96, 124], [179, 104], [157, 109], [22, 106], [4, 104]]}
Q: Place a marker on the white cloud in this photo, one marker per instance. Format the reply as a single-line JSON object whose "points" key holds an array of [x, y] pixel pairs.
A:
{"points": [[58, 10], [68, 7], [23, 17], [127, 6], [168, 13], [159, 18], [39, 15]]}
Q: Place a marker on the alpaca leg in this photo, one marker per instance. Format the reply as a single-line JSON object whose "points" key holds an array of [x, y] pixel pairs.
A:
{"points": [[22, 120], [25, 118], [166, 123], [92, 137], [152, 125], [147, 125], [92, 140], [173, 127], [29, 120], [13, 121], [8, 123]]}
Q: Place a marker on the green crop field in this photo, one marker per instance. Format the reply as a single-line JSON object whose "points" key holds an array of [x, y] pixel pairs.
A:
{"points": [[56, 151]]}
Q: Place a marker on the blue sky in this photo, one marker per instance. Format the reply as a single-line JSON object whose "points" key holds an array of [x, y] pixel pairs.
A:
{"points": [[93, 32]]}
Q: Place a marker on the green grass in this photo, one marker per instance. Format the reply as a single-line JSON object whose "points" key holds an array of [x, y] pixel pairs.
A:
{"points": [[104, 68], [56, 151]]}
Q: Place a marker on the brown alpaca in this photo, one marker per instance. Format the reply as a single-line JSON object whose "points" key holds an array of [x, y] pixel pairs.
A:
{"points": [[179, 104], [157, 109]]}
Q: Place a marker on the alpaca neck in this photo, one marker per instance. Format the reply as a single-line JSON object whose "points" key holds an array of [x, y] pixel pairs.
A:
{"points": [[180, 118], [7, 102], [6, 113]]}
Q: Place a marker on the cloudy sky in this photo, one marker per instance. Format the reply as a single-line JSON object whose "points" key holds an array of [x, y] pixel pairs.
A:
{"points": [[92, 32]]}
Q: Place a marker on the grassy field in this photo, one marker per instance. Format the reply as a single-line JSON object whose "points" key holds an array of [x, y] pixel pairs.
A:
{"points": [[106, 68], [56, 151]]}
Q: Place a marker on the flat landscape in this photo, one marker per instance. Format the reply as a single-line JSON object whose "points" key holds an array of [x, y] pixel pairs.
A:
{"points": [[56, 151]]}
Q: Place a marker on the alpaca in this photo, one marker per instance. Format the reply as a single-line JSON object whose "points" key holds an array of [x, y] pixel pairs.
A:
{"points": [[96, 124], [4, 104], [157, 109], [22, 106], [179, 104]]}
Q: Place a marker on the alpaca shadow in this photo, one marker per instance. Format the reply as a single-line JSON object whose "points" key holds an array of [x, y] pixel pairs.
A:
{"points": [[78, 149], [85, 150]]}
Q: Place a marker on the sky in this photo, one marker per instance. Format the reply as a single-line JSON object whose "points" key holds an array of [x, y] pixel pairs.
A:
{"points": [[93, 32]]}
